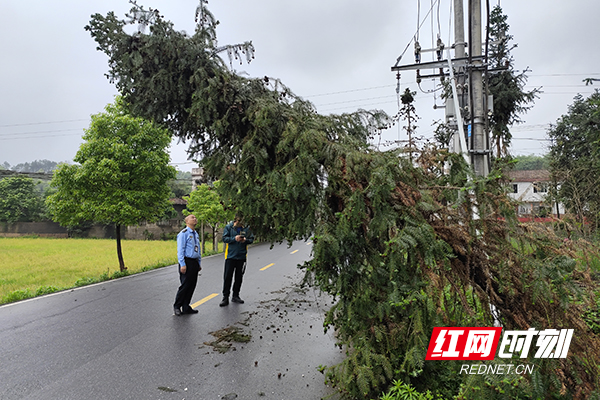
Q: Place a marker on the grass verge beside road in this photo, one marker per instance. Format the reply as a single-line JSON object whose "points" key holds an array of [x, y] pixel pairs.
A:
{"points": [[32, 267]]}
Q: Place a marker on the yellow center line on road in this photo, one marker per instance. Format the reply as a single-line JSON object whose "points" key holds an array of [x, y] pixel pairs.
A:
{"points": [[268, 266], [204, 300], [295, 251]]}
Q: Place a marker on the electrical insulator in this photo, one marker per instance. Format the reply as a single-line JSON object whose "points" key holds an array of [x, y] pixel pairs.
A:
{"points": [[440, 49], [417, 52]]}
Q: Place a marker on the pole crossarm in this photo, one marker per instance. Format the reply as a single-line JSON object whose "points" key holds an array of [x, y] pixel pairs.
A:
{"points": [[457, 62]]}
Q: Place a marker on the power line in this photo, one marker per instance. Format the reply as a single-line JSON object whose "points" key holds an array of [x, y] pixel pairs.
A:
{"points": [[534, 139], [182, 163], [357, 101], [393, 86], [552, 75], [21, 137], [44, 123], [363, 106], [556, 86], [36, 132], [521, 127], [352, 90], [562, 93], [39, 137]]}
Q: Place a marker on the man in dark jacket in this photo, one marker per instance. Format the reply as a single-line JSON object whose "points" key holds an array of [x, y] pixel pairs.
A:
{"points": [[237, 237]]}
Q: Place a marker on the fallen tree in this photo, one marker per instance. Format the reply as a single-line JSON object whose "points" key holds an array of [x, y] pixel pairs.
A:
{"points": [[395, 240]]}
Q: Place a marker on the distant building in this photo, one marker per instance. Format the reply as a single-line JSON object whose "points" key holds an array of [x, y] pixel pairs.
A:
{"points": [[197, 177], [530, 189], [178, 205]]}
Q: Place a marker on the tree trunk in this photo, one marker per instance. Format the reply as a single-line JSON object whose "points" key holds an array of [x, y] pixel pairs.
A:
{"points": [[215, 238], [119, 250], [202, 234]]}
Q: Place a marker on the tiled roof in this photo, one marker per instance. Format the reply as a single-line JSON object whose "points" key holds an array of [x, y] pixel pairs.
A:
{"points": [[178, 201], [539, 175]]}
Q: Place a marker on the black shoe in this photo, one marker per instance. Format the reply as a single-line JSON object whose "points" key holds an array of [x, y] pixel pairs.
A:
{"points": [[224, 303], [177, 311], [190, 311], [236, 299]]}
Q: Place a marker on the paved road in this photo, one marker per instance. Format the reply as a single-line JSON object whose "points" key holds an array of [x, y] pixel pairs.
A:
{"points": [[119, 339]]}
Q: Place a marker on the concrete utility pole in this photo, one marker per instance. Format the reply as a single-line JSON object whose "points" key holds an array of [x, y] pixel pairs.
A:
{"points": [[475, 148], [459, 52], [478, 125], [459, 29]]}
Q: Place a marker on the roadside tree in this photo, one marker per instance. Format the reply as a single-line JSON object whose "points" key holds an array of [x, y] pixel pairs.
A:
{"points": [[19, 200], [181, 185], [530, 162], [42, 166], [507, 85], [205, 204], [121, 176], [575, 158]]}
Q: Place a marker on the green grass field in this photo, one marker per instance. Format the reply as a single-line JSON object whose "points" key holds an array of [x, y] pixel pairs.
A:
{"points": [[33, 266]]}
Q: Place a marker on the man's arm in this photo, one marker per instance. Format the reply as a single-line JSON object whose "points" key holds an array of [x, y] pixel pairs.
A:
{"points": [[181, 243], [228, 234]]}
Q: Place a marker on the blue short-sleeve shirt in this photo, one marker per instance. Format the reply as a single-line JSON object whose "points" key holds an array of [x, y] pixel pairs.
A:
{"points": [[188, 245]]}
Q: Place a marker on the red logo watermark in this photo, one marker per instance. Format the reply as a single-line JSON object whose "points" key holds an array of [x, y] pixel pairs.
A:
{"points": [[463, 344], [480, 344]]}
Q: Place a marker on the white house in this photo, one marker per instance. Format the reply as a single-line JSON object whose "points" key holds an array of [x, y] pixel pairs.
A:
{"points": [[530, 189]]}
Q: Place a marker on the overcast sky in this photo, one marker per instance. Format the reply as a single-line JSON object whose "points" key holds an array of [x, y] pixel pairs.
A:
{"points": [[336, 53]]}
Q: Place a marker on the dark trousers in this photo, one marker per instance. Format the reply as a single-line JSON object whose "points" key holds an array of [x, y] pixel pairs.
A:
{"points": [[233, 268], [188, 284]]}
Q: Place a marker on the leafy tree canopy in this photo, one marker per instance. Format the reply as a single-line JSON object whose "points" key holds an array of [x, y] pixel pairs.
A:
{"points": [[44, 166], [19, 200], [181, 185], [205, 203], [530, 162], [121, 176], [575, 157]]}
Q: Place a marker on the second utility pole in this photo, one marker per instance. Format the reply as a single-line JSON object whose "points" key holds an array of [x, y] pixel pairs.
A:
{"points": [[478, 126]]}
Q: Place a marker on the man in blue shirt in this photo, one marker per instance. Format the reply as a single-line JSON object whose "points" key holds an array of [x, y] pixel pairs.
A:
{"points": [[237, 237], [188, 256]]}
